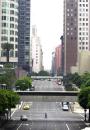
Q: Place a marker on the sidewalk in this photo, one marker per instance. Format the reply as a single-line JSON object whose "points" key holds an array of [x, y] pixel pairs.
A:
{"points": [[76, 108]]}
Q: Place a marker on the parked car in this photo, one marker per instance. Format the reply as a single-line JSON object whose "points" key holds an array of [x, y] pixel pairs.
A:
{"points": [[65, 103], [65, 108], [32, 88], [23, 118], [59, 83]]}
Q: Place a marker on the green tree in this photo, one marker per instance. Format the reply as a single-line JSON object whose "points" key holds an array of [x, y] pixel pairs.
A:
{"points": [[34, 74], [24, 83], [7, 47], [43, 73], [8, 100], [8, 78], [84, 99], [85, 77], [8, 65], [76, 79], [87, 83]]}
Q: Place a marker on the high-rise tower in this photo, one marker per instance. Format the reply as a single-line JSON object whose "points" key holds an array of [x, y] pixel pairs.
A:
{"points": [[24, 34], [83, 25], [76, 31], [9, 30], [70, 34], [36, 51]]}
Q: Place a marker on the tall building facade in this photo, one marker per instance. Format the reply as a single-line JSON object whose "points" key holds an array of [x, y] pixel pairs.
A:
{"points": [[53, 68], [76, 31], [24, 34], [9, 30], [58, 59], [36, 51], [62, 55], [83, 25], [70, 34]]}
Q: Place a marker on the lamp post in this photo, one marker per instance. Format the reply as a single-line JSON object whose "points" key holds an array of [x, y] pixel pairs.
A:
{"points": [[85, 114]]}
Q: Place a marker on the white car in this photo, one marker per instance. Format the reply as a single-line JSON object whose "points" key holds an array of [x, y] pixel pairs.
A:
{"points": [[59, 83], [86, 128], [65, 108]]}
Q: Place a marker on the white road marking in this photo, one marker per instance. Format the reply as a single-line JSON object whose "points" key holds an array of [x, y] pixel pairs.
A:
{"points": [[82, 120], [67, 127], [81, 115], [13, 112], [26, 124], [19, 126]]}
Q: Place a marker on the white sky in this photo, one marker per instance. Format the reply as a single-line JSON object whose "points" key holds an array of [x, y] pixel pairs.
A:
{"points": [[47, 15]]}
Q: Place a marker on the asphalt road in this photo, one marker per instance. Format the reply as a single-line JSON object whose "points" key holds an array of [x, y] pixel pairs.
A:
{"points": [[57, 119], [44, 125], [45, 85]]}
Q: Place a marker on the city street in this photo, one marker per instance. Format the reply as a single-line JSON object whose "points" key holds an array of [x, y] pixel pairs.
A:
{"points": [[57, 119], [45, 85]]}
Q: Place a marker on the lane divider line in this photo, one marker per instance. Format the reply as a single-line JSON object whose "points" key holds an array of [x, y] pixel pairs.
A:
{"points": [[19, 126], [67, 126]]}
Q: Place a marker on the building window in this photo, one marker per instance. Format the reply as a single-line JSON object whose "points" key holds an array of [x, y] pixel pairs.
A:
{"points": [[11, 11], [16, 46], [4, 24], [4, 11], [11, 38], [3, 17], [5, 4], [4, 38], [4, 31], [11, 5], [16, 53], [11, 32], [11, 53], [3, 53], [11, 25], [11, 18], [16, 39]]}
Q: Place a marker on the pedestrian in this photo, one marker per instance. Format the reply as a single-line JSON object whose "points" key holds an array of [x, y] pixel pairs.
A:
{"points": [[45, 115]]}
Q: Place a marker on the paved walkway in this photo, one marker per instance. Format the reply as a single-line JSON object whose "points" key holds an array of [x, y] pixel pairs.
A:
{"points": [[75, 107]]}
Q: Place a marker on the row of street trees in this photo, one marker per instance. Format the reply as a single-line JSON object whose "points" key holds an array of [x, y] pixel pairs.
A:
{"points": [[82, 82], [41, 73]]}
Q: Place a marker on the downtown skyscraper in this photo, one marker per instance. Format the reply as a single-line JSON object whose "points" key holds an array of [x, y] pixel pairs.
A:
{"points": [[76, 31], [24, 34], [9, 30], [36, 51]]}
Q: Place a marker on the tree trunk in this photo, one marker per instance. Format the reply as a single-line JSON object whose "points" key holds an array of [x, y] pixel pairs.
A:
{"points": [[89, 115], [7, 55]]}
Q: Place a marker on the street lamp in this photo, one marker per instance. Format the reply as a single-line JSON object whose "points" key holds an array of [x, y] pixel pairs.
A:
{"points": [[85, 114]]}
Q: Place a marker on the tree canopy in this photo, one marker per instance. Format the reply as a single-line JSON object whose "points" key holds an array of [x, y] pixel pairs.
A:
{"points": [[84, 98], [43, 73], [24, 83], [8, 99], [7, 47]]}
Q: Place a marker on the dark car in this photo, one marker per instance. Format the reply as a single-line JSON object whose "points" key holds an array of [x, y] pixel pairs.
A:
{"points": [[32, 88], [23, 118]]}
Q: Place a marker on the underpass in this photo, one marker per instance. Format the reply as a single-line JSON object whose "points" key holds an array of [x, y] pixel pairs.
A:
{"points": [[48, 96]]}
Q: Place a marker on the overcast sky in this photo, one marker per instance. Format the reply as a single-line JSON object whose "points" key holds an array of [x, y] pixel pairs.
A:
{"points": [[47, 15]]}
